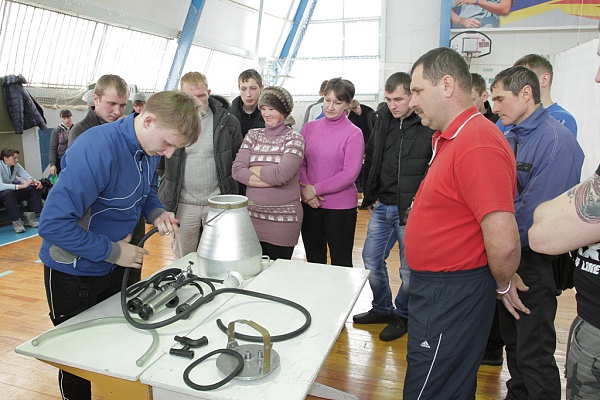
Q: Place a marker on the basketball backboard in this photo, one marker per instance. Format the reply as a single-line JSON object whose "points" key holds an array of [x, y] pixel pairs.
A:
{"points": [[471, 44]]}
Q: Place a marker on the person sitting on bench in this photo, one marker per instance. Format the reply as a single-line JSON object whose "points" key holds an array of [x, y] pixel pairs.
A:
{"points": [[17, 185]]}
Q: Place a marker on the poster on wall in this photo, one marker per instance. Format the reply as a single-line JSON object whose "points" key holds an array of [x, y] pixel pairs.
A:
{"points": [[484, 14]]}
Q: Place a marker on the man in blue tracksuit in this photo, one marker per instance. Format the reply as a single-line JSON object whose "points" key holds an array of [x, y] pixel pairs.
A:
{"points": [[106, 183], [544, 71], [549, 162]]}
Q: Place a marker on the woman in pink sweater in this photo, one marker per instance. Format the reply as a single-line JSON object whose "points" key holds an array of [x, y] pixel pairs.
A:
{"points": [[333, 155], [268, 164]]}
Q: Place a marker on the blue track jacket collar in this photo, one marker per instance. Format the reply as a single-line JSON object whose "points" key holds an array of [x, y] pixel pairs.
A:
{"points": [[549, 161]]}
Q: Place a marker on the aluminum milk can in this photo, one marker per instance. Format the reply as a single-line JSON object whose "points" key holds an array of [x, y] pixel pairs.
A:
{"points": [[228, 241]]}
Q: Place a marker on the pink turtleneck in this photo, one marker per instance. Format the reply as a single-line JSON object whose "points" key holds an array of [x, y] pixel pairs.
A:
{"points": [[333, 156]]}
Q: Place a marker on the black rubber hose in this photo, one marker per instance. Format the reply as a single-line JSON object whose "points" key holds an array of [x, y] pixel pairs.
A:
{"points": [[146, 236], [155, 281], [233, 374], [211, 296], [135, 288], [208, 298], [140, 325], [276, 338]]}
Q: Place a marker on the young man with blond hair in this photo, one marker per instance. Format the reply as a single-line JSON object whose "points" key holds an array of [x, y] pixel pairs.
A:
{"points": [[107, 183]]}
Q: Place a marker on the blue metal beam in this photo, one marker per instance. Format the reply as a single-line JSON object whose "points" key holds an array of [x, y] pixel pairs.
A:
{"points": [[292, 35], [286, 61], [445, 23], [184, 42]]}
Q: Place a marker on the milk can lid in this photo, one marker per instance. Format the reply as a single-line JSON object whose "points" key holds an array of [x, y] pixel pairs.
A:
{"points": [[228, 201]]}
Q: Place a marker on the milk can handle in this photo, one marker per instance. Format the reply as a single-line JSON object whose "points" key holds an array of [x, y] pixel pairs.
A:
{"points": [[216, 216]]}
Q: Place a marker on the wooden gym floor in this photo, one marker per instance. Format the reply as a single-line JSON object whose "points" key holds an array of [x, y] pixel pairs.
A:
{"points": [[359, 362]]}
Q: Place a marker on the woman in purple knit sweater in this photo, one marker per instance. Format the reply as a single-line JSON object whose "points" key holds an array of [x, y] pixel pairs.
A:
{"points": [[333, 155], [268, 164]]}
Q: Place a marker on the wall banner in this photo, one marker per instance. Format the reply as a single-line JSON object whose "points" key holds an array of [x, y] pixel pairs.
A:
{"points": [[524, 14]]}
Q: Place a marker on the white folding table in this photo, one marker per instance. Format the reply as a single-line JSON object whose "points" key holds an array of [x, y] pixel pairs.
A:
{"points": [[107, 354]]}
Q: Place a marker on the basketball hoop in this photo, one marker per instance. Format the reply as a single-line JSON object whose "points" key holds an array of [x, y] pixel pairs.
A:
{"points": [[471, 44]]}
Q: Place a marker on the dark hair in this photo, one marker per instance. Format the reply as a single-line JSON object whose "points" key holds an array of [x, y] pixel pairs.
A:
{"points": [[343, 89], [478, 83], [323, 86], [514, 79], [248, 74], [443, 61], [397, 79], [8, 152], [539, 64], [65, 113]]}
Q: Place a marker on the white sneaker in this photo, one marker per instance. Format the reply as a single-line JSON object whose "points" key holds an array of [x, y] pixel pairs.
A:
{"points": [[18, 226]]}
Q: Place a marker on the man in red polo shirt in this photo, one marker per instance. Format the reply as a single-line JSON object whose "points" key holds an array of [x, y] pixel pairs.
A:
{"points": [[462, 241]]}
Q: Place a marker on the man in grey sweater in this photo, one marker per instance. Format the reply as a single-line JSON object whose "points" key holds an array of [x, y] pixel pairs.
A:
{"points": [[196, 173]]}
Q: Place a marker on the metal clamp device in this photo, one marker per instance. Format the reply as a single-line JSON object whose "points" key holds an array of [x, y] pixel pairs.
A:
{"points": [[259, 361]]}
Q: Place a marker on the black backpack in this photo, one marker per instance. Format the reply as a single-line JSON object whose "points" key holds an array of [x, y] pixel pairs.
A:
{"points": [[46, 186]]}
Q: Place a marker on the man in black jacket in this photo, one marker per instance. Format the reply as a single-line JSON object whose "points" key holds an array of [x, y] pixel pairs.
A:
{"points": [[396, 159], [196, 173], [110, 98], [245, 106], [361, 115], [480, 95]]}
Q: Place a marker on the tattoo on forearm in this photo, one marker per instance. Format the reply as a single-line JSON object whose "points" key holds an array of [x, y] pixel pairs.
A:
{"points": [[587, 199]]}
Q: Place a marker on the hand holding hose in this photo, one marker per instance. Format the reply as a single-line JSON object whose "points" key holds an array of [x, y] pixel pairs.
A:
{"points": [[131, 256], [166, 223]]}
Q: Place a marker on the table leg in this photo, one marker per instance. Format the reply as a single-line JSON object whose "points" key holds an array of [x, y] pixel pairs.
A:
{"points": [[112, 388], [325, 392]]}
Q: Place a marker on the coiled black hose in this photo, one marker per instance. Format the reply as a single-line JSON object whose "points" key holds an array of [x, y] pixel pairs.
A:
{"points": [[233, 374]]}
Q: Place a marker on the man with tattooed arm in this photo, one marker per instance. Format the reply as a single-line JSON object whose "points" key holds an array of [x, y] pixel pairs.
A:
{"points": [[570, 221]]}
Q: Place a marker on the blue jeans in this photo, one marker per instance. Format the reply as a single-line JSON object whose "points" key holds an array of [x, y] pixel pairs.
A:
{"points": [[383, 232]]}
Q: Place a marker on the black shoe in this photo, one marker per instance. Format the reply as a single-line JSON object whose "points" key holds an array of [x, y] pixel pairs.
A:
{"points": [[371, 317], [493, 357], [397, 328]]}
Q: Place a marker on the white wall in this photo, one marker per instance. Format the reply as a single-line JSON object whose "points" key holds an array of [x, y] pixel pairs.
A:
{"points": [[509, 46], [575, 70], [573, 56], [412, 29]]}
